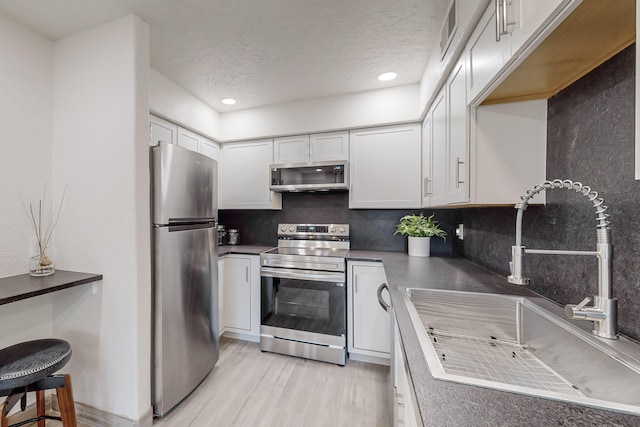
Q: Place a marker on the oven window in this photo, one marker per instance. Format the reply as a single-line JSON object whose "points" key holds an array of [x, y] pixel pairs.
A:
{"points": [[304, 305]]}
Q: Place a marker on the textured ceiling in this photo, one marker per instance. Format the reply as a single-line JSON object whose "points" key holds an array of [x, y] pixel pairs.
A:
{"points": [[263, 52]]}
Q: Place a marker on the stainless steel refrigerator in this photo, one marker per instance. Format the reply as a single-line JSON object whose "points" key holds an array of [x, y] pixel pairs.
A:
{"points": [[185, 341]]}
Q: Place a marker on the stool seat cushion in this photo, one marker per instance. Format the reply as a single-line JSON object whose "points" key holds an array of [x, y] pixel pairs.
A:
{"points": [[25, 363]]}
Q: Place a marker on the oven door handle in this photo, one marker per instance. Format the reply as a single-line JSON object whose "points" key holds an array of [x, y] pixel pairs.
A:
{"points": [[381, 300], [316, 276]]}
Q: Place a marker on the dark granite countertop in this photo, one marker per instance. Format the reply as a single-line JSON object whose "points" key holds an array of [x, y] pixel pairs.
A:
{"points": [[443, 403], [242, 249], [16, 288]]}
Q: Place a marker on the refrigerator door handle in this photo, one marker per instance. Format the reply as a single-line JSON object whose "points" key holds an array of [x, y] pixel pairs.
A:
{"points": [[191, 220], [193, 226]]}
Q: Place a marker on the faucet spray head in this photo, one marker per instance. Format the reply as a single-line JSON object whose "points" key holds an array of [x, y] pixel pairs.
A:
{"points": [[517, 267]]}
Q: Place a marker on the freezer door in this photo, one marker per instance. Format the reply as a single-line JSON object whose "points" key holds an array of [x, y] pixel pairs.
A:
{"points": [[185, 338], [184, 184]]}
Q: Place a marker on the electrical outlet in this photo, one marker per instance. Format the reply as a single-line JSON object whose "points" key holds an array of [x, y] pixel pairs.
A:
{"points": [[34, 248], [460, 231]]}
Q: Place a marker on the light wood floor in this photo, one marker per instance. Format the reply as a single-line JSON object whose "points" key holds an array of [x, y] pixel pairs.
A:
{"points": [[251, 388]]}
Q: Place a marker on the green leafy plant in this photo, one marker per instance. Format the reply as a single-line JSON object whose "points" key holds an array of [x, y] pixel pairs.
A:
{"points": [[419, 226]]}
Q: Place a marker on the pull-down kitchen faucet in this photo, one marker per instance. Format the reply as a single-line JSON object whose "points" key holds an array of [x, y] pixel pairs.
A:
{"points": [[604, 312]]}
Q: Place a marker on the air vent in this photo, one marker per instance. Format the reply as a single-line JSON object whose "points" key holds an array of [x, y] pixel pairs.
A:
{"points": [[449, 27]]}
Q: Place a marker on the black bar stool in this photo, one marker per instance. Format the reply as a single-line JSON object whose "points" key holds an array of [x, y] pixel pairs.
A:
{"points": [[29, 366]]}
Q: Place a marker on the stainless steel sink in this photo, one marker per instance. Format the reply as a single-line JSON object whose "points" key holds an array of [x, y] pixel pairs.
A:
{"points": [[512, 344]]}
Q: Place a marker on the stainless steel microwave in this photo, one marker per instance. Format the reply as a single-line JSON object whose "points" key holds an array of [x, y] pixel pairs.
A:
{"points": [[314, 176]]}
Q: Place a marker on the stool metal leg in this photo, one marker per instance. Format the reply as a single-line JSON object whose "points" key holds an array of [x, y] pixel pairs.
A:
{"points": [[65, 400], [40, 406]]}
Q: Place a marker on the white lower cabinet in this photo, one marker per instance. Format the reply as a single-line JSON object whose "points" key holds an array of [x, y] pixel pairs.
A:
{"points": [[405, 410], [239, 284], [367, 323]]}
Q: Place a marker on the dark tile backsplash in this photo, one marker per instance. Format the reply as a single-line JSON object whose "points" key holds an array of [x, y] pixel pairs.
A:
{"points": [[590, 138], [370, 229]]}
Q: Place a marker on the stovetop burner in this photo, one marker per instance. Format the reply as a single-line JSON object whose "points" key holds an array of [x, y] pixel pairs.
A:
{"points": [[309, 247]]}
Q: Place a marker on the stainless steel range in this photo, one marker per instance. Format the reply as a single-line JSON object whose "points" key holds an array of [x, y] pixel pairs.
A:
{"points": [[303, 292]]}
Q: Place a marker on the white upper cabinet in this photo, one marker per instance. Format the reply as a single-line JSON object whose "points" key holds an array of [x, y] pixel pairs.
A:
{"points": [[445, 143], [439, 151], [435, 147], [509, 150], [457, 134], [245, 176], [311, 148], [530, 17], [427, 165], [291, 149], [189, 140], [165, 131], [507, 32], [329, 146], [487, 52], [486, 155], [161, 130], [210, 148], [385, 167]]}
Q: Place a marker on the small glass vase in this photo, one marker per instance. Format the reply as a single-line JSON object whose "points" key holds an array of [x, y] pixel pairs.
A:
{"points": [[41, 265]]}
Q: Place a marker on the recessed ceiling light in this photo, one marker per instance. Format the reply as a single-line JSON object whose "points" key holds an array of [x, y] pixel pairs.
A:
{"points": [[387, 76], [229, 101]]}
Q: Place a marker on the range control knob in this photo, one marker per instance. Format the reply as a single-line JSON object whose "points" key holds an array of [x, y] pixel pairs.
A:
{"points": [[283, 228], [342, 230], [332, 230], [292, 228]]}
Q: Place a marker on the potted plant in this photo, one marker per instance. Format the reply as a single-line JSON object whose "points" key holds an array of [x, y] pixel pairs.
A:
{"points": [[419, 229]]}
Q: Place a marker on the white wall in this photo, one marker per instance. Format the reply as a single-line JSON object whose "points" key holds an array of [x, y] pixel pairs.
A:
{"points": [[25, 167], [25, 137], [168, 100], [372, 108], [100, 116]]}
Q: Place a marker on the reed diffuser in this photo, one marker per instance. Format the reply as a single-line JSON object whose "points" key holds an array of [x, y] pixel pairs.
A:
{"points": [[43, 219]]}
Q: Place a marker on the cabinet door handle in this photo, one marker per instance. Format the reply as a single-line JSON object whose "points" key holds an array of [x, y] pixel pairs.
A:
{"points": [[351, 192], [246, 270], [458, 163], [426, 187], [504, 17], [355, 283], [381, 300], [498, 26]]}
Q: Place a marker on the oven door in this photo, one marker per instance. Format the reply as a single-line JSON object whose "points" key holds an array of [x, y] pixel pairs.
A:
{"points": [[303, 300]]}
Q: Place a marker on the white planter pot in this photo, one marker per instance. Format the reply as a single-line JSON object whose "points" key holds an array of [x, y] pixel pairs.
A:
{"points": [[420, 246]]}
